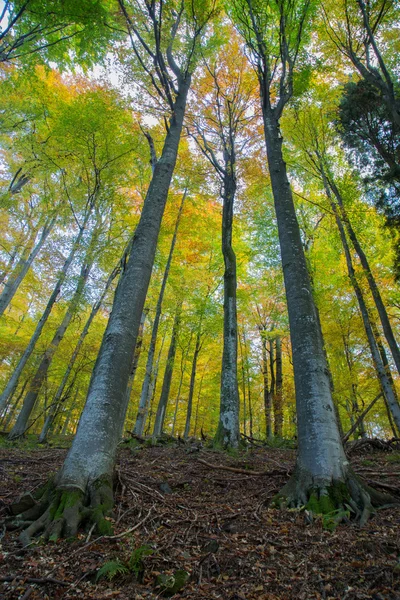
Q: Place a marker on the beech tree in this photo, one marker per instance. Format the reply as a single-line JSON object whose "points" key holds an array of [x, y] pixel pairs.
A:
{"points": [[275, 35], [85, 478], [222, 133]]}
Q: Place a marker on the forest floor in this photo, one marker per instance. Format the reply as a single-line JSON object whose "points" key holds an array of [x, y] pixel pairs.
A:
{"points": [[174, 512]]}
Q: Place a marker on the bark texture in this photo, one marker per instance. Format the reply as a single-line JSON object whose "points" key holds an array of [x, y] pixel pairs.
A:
{"points": [[228, 433], [86, 475], [321, 459]]}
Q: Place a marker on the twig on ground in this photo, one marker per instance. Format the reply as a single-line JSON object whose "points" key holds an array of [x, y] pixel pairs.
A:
{"points": [[243, 471], [40, 581]]}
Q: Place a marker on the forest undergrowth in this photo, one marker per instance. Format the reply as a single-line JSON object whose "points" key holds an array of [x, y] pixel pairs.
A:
{"points": [[193, 518]]}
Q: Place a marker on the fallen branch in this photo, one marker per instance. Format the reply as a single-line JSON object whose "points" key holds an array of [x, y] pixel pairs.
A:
{"points": [[128, 531], [9, 578], [372, 473], [254, 441], [243, 471]]}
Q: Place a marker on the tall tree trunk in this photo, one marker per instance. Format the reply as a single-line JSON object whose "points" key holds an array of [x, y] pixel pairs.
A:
{"points": [[13, 381], [383, 316], [85, 479], [243, 384], [267, 395], [248, 385], [43, 369], [145, 393], [228, 431], [55, 406], [21, 269], [169, 367], [385, 383], [192, 383], [278, 406], [272, 386], [388, 372], [321, 461]]}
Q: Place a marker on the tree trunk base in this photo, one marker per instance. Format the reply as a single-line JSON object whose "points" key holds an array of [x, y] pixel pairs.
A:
{"points": [[225, 439], [339, 498], [57, 512]]}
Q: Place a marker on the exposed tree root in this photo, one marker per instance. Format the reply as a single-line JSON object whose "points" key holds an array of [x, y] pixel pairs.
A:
{"points": [[59, 512], [339, 498]]}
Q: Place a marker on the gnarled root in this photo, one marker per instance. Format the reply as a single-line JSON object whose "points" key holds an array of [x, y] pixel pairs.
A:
{"points": [[335, 497], [59, 512]]}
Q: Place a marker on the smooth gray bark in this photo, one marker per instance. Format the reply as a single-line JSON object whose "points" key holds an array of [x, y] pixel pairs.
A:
{"points": [[92, 454], [166, 386], [41, 373], [146, 387], [243, 382], [22, 267], [13, 381], [321, 456], [248, 384], [228, 431]]}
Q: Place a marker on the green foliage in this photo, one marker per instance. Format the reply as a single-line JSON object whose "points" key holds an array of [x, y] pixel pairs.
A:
{"points": [[117, 567], [63, 32], [112, 569], [394, 457], [135, 563], [172, 584], [278, 442]]}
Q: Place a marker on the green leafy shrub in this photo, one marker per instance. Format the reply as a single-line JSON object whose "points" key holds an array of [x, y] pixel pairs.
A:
{"points": [[112, 569]]}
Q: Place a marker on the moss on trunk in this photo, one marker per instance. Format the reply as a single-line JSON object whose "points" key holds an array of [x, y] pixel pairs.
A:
{"points": [[59, 512], [324, 497]]}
